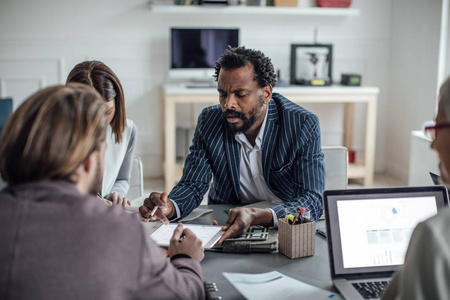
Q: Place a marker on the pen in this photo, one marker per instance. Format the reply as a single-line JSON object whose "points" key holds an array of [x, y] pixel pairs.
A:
{"points": [[321, 233], [104, 199], [153, 212], [298, 216]]}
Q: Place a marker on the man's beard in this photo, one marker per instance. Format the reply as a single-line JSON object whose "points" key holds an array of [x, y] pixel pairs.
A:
{"points": [[247, 122], [96, 186]]}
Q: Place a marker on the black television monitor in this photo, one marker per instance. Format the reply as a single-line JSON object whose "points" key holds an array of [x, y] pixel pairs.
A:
{"points": [[194, 51]]}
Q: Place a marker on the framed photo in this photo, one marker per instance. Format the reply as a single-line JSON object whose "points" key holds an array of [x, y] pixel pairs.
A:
{"points": [[311, 64]]}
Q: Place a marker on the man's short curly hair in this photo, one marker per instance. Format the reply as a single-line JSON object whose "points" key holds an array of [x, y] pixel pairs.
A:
{"points": [[238, 57]]}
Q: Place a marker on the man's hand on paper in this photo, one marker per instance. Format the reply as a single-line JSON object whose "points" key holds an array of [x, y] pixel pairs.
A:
{"points": [[184, 241], [117, 199], [241, 218], [165, 210]]}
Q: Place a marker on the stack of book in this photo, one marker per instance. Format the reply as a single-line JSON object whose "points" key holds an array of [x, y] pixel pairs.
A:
{"points": [[187, 2], [256, 240], [159, 2], [214, 2]]}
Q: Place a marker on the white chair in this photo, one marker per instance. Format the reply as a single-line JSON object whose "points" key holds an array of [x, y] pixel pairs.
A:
{"points": [[136, 180], [2, 183], [336, 165]]}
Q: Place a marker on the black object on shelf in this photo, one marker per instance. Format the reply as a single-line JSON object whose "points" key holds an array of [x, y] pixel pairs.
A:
{"points": [[214, 2], [351, 79], [311, 64]]}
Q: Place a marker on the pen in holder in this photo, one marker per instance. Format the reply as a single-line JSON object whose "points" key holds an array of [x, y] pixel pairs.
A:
{"points": [[297, 240]]}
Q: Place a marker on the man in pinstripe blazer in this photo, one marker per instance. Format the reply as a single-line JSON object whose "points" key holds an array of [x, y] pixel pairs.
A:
{"points": [[259, 146]]}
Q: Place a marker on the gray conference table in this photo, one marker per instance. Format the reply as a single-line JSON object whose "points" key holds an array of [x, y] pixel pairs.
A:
{"points": [[312, 270]]}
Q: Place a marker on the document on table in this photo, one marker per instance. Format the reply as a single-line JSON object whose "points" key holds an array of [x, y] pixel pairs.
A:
{"points": [[208, 234], [275, 285], [196, 213]]}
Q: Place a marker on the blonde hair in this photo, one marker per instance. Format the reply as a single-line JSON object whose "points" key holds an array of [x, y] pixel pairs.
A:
{"points": [[52, 133]]}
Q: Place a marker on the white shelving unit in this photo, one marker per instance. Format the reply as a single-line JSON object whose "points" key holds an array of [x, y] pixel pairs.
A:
{"points": [[253, 10], [178, 94], [174, 94]]}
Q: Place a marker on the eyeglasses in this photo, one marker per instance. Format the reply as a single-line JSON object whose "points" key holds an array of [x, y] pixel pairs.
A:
{"points": [[431, 131]]}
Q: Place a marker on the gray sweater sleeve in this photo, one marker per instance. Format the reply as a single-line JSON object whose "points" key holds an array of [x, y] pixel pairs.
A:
{"points": [[122, 184]]}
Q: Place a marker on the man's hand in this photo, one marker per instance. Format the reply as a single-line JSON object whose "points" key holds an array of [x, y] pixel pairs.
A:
{"points": [[186, 242], [241, 218], [165, 210], [117, 199]]}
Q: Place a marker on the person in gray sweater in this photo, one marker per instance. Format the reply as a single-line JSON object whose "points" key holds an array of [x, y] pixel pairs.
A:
{"points": [[58, 240], [425, 273]]}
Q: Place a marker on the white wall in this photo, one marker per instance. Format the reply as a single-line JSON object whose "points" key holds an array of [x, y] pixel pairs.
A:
{"points": [[412, 75], [41, 40]]}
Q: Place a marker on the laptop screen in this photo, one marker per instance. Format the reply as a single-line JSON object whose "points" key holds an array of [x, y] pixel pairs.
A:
{"points": [[369, 229]]}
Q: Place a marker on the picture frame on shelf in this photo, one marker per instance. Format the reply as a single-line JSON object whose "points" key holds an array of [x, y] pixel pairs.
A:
{"points": [[311, 64]]}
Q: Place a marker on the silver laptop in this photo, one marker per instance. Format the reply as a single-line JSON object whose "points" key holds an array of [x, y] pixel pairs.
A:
{"points": [[368, 232]]}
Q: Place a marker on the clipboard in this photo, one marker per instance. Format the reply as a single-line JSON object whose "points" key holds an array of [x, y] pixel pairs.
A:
{"points": [[208, 234]]}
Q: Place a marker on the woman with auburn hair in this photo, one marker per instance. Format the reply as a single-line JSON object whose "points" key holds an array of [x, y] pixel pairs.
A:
{"points": [[121, 134]]}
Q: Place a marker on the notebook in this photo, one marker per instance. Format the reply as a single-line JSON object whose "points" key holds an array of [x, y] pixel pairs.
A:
{"points": [[254, 233], [369, 230], [208, 234]]}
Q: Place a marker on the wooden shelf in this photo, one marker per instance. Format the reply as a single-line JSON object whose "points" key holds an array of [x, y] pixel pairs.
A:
{"points": [[253, 10], [356, 170]]}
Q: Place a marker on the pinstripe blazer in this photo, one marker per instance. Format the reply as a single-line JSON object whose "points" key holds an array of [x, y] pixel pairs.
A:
{"points": [[292, 161]]}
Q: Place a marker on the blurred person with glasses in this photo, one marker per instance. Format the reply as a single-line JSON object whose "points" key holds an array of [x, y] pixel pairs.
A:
{"points": [[426, 271], [430, 129]]}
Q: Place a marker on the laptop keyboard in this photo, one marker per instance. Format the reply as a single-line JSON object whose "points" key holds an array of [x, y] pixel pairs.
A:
{"points": [[371, 290]]}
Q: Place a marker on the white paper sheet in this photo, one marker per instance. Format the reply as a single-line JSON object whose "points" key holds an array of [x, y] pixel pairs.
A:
{"points": [[275, 285], [206, 233]]}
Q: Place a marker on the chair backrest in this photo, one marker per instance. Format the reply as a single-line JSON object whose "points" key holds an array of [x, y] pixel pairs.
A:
{"points": [[136, 180], [336, 165], [6, 108], [2, 183]]}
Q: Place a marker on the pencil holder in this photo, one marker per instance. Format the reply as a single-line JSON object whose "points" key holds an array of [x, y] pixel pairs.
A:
{"points": [[297, 240]]}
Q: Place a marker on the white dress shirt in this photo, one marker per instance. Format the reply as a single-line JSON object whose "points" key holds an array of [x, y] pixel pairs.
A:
{"points": [[253, 187]]}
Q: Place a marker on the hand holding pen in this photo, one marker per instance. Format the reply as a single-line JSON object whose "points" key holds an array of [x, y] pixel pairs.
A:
{"points": [[184, 241], [157, 207], [115, 199]]}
